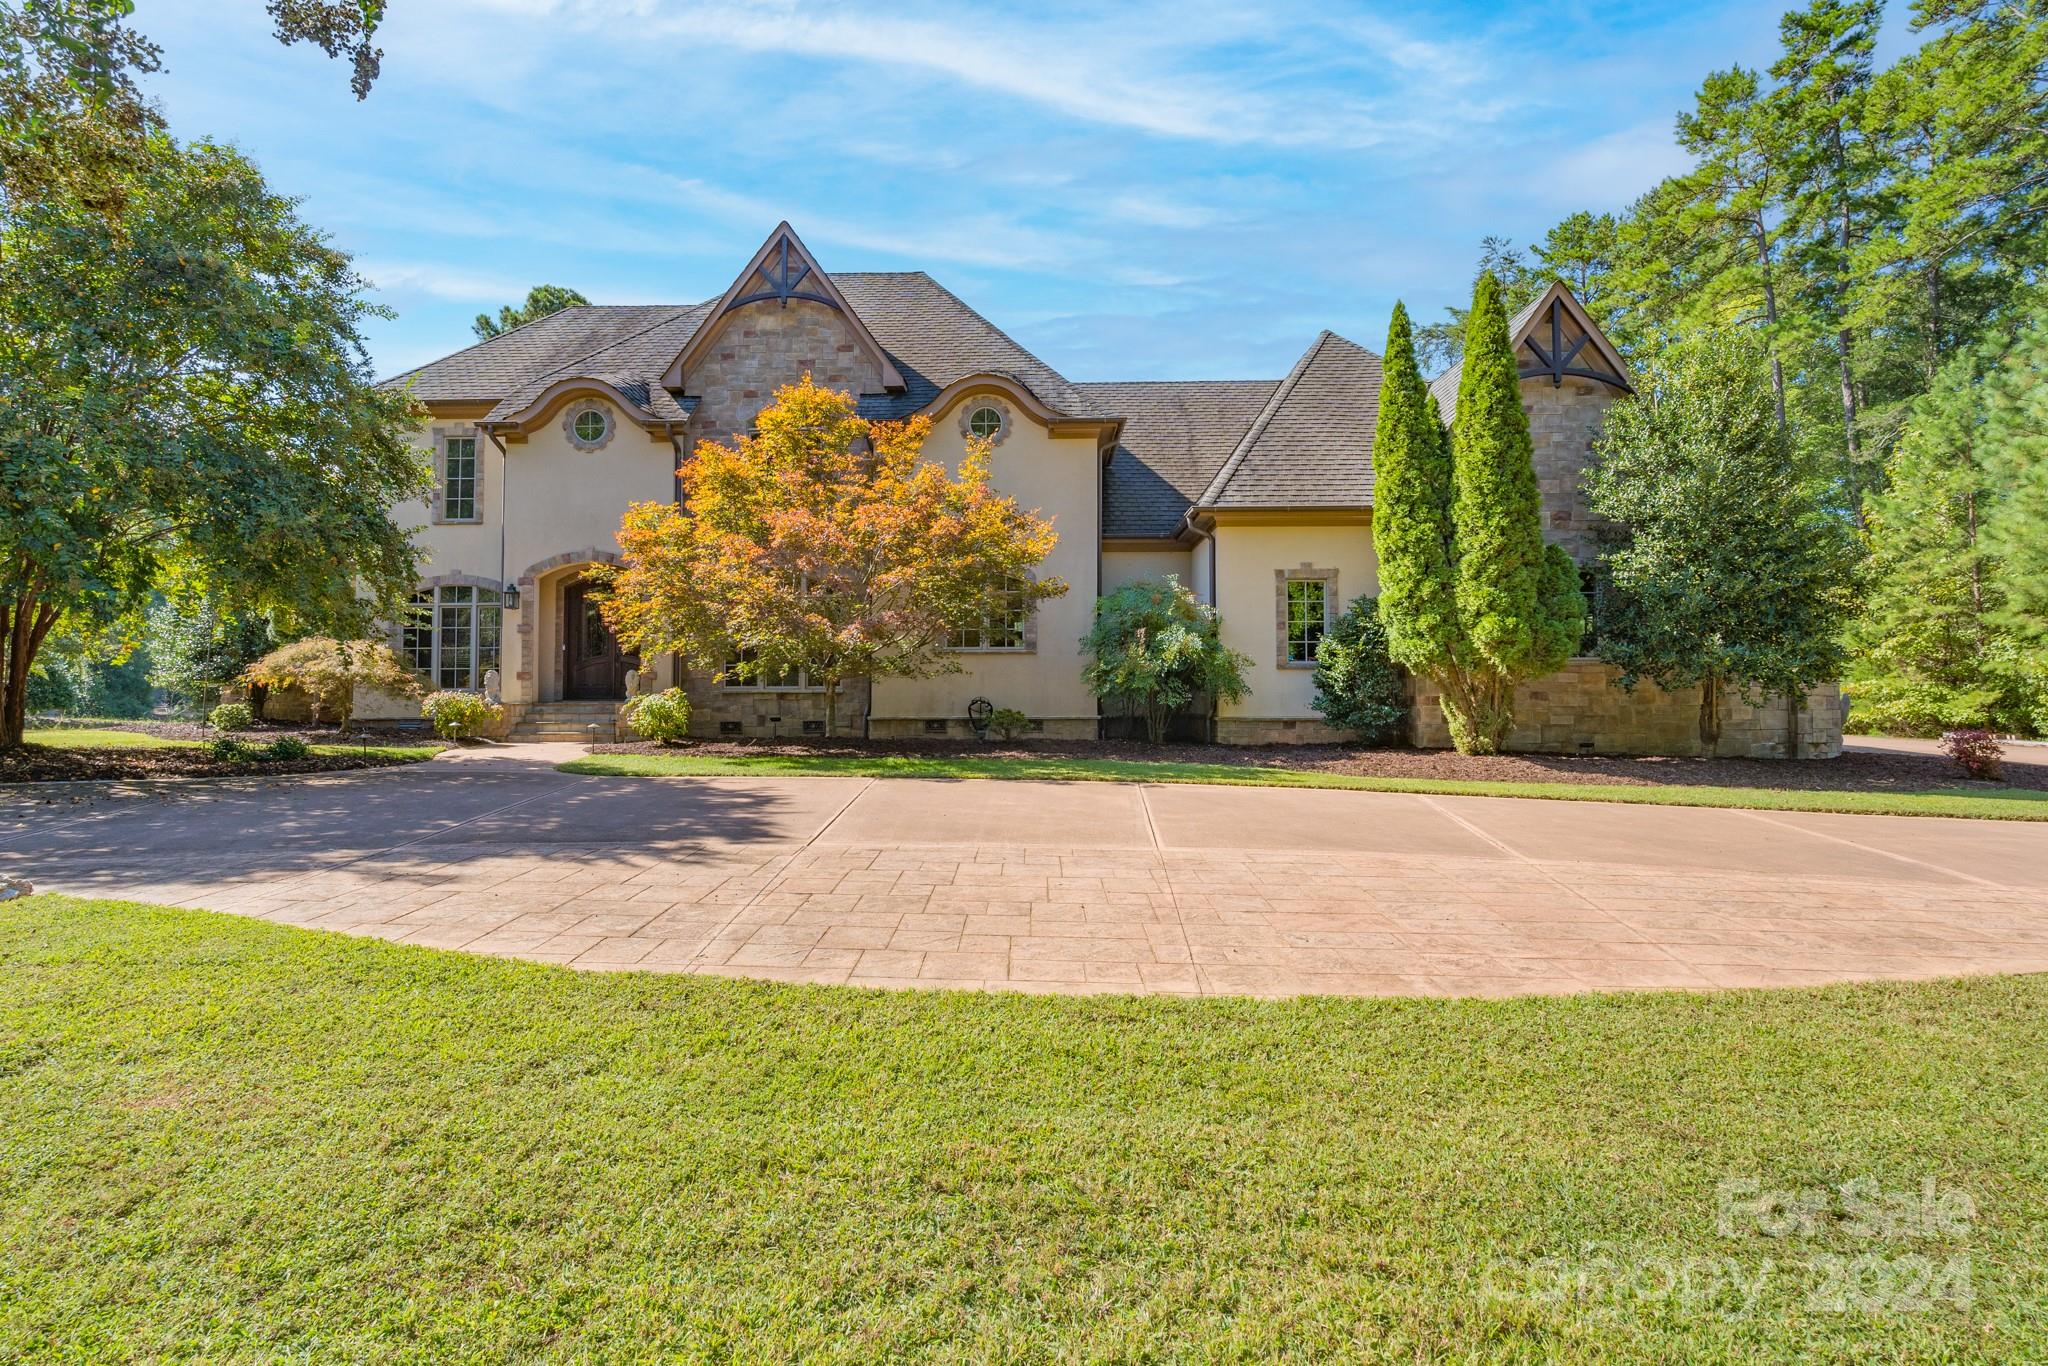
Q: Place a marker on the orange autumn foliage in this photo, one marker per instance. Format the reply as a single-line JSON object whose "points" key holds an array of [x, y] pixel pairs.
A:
{"points": [[825, 543]]}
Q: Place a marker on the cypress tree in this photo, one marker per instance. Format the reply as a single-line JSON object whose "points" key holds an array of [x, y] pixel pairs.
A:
{"points": [[1412, 513]]}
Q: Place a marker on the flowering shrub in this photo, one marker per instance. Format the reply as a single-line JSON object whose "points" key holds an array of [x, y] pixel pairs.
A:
{"points": [[1976, 752], [231, 716], [456, 714], [662, 716]]}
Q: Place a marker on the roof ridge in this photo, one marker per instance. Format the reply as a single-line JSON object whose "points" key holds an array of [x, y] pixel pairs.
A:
{"points": [[977, 315], [663, 321], [1088, 383], [483, 342], [1261, 422]]}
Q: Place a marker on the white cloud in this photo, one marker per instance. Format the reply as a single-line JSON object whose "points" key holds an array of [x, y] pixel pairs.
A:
{"points": [[1610, 171], [437, 281]]}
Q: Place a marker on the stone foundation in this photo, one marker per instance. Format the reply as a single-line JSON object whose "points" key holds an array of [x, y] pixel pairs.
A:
{"points": [[1278, 730], [957, 728], [1578, 710], [718, 712]]}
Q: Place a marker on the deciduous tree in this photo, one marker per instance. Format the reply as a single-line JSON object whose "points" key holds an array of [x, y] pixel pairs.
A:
{"points": [[828, 544], [331, 672], [1738, 565], [184, 391]]}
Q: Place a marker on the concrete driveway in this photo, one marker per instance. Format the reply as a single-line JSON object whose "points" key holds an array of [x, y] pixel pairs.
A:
{"points": [[1065, 887]]}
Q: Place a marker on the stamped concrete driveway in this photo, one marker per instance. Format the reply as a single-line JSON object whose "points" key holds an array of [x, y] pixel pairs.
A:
{"points": [[1064, 887]]}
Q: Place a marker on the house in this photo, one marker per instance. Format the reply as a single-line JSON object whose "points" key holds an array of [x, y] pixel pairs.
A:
{"points": [[1256, 493]]}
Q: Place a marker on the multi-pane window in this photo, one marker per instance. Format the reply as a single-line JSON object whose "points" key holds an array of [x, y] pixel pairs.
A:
{"points": [[789, 680], [1000, 625], [458, 479], [1308, 607], [985, 423], [451, 634]]}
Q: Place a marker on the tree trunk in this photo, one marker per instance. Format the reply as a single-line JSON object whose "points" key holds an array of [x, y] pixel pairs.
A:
{"points": [[1763, 260], [831, 708], [1480, 712], [26, 623], [1710, 717]]}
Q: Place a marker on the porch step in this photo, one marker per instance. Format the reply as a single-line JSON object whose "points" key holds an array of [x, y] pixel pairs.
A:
{"points": [[569, 721]]}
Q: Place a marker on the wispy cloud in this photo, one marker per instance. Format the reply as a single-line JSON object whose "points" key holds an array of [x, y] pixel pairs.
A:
{"points": [[437, 281]]}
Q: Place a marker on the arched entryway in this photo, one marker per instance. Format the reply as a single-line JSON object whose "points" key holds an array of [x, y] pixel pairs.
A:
{"points": [[566, 652]]}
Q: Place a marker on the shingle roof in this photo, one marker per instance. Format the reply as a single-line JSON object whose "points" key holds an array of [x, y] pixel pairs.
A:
{"points": [[933, 338], [1177, 434], [1445, 386], [1311, 445]]}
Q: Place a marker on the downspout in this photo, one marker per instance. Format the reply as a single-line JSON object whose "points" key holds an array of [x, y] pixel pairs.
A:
{"points": [[504, 520]]}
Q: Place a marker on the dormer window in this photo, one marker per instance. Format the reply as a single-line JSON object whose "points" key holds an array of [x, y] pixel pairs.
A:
{"points": [[591, 425], [985, 422]]}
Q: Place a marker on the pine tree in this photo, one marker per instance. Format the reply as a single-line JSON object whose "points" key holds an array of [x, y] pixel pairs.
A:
{"points": [[2016, 436]]}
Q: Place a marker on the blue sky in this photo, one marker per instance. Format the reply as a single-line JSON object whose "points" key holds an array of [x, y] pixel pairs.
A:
{"points": [[1134, 190]]}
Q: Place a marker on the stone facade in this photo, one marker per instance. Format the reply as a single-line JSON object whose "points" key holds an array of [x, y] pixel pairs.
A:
{"points": [[719, 712], [765, 345], [1580, 710], [1278, 730], [1563, 420]]}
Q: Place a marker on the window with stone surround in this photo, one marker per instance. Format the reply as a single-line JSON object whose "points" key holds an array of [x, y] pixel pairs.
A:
{"points": [[1303, 610], [1003, 625], [450, 635], [458, 479], [790, 680]]}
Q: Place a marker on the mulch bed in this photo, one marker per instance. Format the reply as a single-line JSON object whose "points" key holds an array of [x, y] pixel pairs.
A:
{"points": [[1849, 773], [39, 764], [35, 763]]}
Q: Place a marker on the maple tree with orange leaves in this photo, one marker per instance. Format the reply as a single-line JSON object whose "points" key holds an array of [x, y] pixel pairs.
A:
{"points": [[824, 543]]}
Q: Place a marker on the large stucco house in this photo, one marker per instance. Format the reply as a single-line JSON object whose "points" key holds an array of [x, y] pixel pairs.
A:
{"points": [[1256, 493]]}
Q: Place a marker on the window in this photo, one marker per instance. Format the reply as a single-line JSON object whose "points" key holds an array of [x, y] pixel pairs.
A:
{"points": [[1000, 626], [1308, 606], [591, 425], [985, 422], [450, 634], [791, 680], [458, 479], [1593, 584]]}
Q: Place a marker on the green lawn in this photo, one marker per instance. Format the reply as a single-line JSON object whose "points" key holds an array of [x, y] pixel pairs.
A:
{"points": [[237, 1140], [88, 738], [1992, 803]]}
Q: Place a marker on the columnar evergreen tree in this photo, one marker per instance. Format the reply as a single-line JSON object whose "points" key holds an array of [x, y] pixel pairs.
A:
{"points": [[1471, 595], [1738, 566], [2015, 435]]}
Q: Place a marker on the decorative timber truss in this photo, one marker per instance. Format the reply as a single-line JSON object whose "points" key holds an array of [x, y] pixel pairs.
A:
{"points": [[1561, 339]]}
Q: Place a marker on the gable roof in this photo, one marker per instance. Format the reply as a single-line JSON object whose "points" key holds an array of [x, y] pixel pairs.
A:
{"points": [[1538, 327], [1176, 435], [782, 269], [1311, 444]]}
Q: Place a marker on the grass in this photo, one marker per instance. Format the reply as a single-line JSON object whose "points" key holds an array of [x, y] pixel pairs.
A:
{"points": [[88, 738], [1990, 803], [238, 1140]]}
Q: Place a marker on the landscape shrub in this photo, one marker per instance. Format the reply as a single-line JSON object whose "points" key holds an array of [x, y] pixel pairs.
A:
{"points": [[1155, 648], [331, 671], [1359, 687], [457, 714], [661, 716], [287, 747], [230, 749], [231, 716], [1976, 752], [1008, 722]]}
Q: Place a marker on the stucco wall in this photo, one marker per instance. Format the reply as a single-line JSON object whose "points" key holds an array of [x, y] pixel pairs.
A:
{"points": [[1251, 605], [1120, 567], [1056, 476]]}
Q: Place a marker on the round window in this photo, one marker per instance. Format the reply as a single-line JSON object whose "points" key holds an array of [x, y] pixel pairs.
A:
{"points": [[591, 425], [985, 422]]}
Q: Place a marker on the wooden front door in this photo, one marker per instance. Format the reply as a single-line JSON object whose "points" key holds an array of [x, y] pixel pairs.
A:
{"points": [[593, 665]]}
